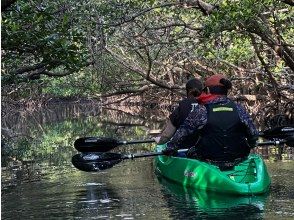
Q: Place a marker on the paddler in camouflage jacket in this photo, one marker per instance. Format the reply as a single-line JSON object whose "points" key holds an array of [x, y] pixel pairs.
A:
{"points": [[226, 131]]}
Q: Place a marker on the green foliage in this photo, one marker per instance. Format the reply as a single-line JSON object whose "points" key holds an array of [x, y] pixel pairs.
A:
{"points": [[235, 14], [236, 49], [69, 86], [108, 76], [43, 32], [239, 15], [57, 34], [154, 37]]}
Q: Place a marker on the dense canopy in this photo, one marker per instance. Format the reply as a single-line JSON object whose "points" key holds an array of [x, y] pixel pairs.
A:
{"points": [[148, 49]]}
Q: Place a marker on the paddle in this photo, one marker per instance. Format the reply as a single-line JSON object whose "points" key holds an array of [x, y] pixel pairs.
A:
{"points": [[278, 132], [93, 162], [103, 144], [289, 141]]}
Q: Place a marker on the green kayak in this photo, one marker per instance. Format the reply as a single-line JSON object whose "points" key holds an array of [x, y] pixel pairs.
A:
{"points": [[246, 178]]}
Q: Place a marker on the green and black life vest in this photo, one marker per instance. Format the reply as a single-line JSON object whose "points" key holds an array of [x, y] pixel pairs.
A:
{"points": [[223, 138]]}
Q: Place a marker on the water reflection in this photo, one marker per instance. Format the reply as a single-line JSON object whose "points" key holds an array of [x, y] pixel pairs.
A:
{"points": [[281, 199], [192, 204], [29, 134], [17, 172], [39, 182], [96, 199], [21, 122]]}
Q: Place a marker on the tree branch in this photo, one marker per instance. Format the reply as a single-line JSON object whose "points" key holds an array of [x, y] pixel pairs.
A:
{"points": [[130, 18], [127, 91], [206, 8], [25, 69], [141, 72], [266, 67]]}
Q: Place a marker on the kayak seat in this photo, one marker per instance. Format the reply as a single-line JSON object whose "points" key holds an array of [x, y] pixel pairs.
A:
{"points": [[226, 165]]}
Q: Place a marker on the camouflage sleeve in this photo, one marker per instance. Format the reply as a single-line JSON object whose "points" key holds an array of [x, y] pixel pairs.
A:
{"points": [[252, 132], [195, 120]]}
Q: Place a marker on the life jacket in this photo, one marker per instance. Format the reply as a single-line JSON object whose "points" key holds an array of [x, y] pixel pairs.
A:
{"points": [[223, 136]]}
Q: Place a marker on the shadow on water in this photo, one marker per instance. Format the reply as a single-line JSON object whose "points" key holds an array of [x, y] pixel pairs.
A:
{"points": [[187, 203]]}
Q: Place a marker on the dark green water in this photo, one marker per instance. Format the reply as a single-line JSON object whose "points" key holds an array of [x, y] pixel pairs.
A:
{"points": [[39, 182]]}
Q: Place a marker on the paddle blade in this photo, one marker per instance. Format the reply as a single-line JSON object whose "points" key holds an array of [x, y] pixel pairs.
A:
{"points": [[279, 132], [95, 144], [290, 141], [94, 162]]}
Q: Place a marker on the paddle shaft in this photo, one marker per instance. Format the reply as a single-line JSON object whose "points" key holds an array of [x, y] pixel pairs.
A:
{"points": [[102, 144], [277, 142], [135, 142], [149, 154], [152, 154], [278, 132]]}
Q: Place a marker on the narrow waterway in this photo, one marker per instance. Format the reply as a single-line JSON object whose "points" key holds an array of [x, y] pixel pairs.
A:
{"points": [[39, 181]]}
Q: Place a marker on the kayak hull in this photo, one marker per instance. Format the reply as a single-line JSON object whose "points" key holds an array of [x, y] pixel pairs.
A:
{"points": [[249, 177], [212, 202]]}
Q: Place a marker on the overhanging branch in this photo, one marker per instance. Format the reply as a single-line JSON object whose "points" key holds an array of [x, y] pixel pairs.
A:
{"points": [[205, 7], [133, 67]]}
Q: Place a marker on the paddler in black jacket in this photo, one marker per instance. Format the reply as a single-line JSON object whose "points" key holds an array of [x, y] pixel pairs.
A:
{"points": [[226, 131], [194, 88]]}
